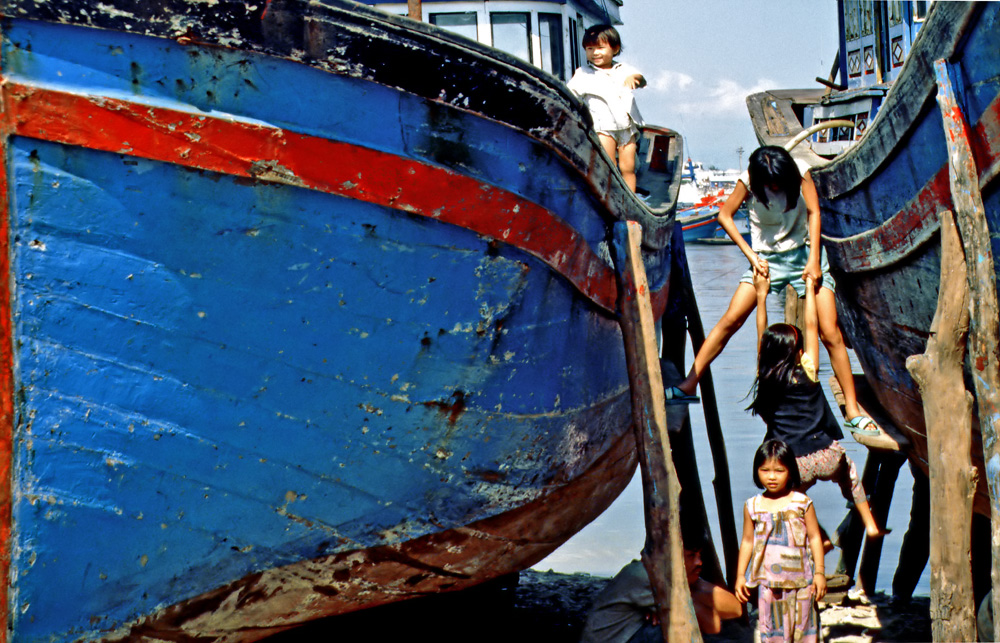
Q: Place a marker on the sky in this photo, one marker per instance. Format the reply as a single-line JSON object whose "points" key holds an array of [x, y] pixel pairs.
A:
{"points": [[702, 58]]}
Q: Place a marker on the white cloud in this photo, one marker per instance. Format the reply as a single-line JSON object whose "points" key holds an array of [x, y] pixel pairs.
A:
{"points": [[721, 97], [668, 81]]}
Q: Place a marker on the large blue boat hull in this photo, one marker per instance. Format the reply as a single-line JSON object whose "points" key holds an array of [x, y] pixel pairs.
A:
{"points": [[286, 339]]}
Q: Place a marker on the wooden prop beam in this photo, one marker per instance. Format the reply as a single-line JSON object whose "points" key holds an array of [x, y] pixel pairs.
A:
{"points": [[713, 428], [948, 416], [794, 307], [414, 9], [981, 277], [673, 329], [663, 555]]}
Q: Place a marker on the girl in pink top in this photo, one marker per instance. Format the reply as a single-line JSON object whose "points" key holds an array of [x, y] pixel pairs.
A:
{"points": [[781, 553]]}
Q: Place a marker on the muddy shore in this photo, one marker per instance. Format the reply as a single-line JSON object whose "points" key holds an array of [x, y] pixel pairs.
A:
{"points": [[551, 607]]}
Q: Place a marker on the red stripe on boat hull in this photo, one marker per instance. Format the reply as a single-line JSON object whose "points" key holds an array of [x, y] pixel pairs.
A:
{"points": [[268, 153], [918, 221]]}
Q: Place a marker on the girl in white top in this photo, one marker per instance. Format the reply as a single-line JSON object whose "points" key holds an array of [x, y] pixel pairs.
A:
{"points": [[785, 233], [606, 87]]}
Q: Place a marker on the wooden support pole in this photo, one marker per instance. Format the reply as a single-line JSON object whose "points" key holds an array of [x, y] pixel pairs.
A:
{"points": [[414, 9], [713, 428], [693, 513], [948, 416], [663, 555], [984, 326], [794, 307], [673, 330]]}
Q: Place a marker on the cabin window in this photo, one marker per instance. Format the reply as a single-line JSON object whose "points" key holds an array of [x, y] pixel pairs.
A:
{"points": [[464, 23], [550, 35], [574, 45], [920, 9], [512, 33]]}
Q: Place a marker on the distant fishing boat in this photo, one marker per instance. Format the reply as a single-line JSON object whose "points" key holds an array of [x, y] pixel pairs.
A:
{"points": [[308, 308], [700, 185], [702, 192], [700, 224], [881, 194]]}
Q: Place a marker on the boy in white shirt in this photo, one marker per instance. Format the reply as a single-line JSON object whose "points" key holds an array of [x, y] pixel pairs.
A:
{"points": [[606, 87]]}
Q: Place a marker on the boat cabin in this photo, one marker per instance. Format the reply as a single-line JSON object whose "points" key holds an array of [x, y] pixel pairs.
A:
{"points": [[544, 33], [875, 37]]}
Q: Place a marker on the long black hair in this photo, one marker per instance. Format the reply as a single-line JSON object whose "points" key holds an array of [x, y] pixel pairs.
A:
{"points": [[773, 165], [777, 450], [779, 356]]}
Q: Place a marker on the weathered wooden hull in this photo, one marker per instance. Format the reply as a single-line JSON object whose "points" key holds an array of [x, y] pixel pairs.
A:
{"points": [[310, 309], [881, 199]]}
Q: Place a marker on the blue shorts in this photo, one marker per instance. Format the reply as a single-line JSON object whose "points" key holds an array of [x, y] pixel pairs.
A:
{"points": [[786, 269]]}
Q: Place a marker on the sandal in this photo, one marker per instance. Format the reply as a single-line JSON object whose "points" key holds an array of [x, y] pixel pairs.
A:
{"points": [[864, 426], [673, 395]]}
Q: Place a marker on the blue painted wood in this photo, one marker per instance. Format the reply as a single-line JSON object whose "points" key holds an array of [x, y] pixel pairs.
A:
{"points": [[184, 353], [217, 376]]}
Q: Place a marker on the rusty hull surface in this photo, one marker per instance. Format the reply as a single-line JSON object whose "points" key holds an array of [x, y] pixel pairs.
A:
{"points": [[279, 599]]}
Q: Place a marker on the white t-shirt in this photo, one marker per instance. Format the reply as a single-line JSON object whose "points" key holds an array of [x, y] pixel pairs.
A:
{"points": [[771, 228], [611, 103]]}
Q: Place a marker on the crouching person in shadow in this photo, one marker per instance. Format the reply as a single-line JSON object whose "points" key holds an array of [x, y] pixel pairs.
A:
{"points": [[625, 611]]}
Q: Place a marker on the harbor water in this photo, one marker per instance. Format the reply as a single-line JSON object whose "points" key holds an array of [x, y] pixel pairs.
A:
{"points": [[616, 537]]}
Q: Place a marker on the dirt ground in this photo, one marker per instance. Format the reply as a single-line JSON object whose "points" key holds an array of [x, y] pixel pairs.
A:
{"points": [[551, 607]]}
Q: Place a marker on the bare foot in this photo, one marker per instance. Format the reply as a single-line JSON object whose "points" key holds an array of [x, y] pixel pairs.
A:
{"points": [[878, 533]]}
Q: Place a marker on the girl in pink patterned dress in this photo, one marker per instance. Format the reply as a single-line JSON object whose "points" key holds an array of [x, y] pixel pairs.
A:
{"points": [[781, 553]]}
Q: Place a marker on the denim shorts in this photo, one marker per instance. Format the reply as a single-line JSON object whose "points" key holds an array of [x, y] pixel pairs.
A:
{"points": [[786, 269]]}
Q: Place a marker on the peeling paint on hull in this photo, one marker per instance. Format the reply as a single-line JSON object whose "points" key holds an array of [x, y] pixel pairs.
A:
{"points": [[291, 333], [445, 561]]}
